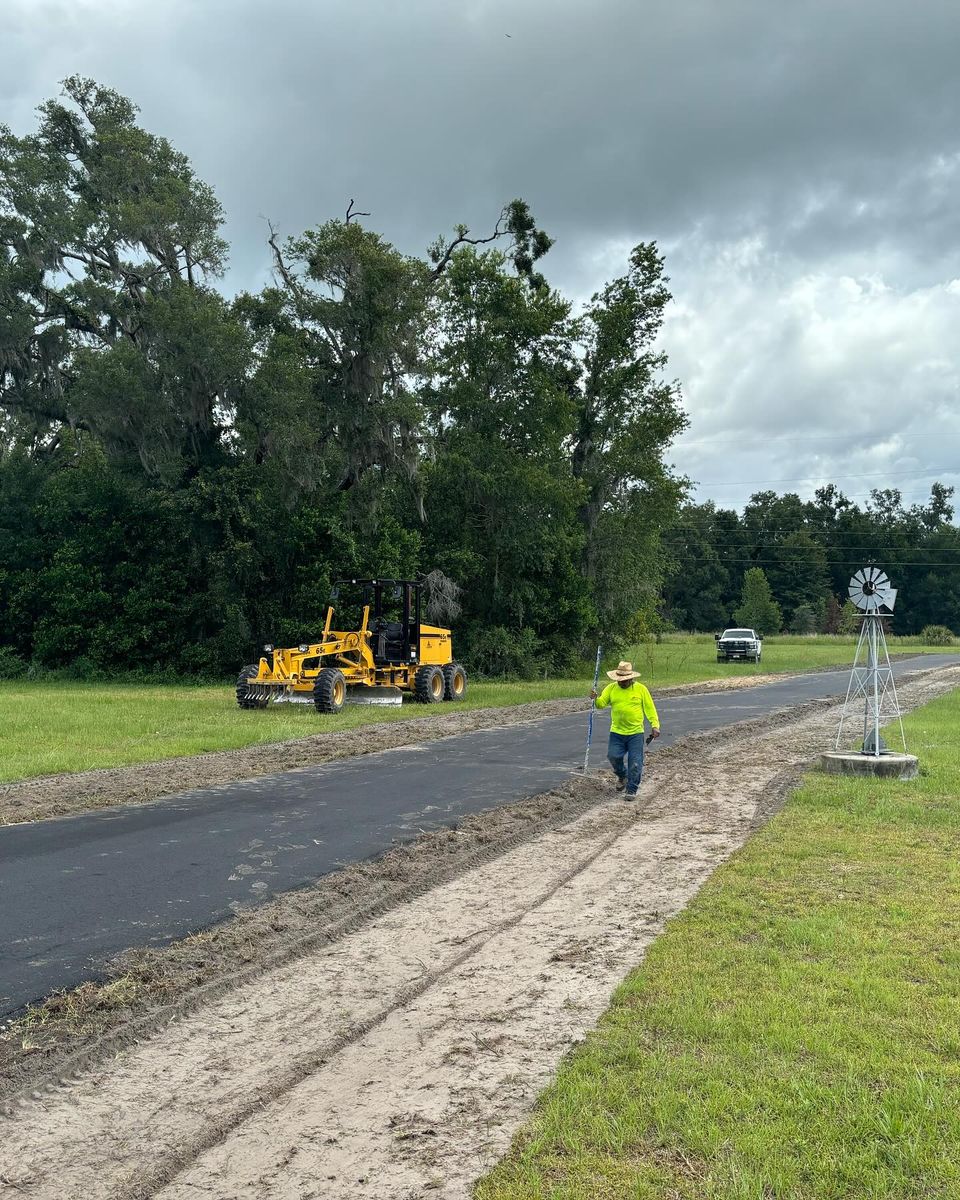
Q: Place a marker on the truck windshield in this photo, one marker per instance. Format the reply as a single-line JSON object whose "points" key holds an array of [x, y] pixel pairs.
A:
{"points": [[739, 633]]}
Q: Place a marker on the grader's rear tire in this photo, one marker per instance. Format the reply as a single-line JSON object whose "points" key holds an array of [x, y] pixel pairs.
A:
{"points": [[429, 685], [243, 684], [330, 691], [455, 682]]}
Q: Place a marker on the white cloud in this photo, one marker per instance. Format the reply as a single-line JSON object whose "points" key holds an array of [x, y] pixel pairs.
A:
{"points": [[804, 187], [811, 376]]}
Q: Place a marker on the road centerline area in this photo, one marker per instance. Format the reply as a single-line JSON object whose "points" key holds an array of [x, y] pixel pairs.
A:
{"points": [[77, 890]]}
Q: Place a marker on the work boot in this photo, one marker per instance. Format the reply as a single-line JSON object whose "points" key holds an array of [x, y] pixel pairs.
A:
{"points": [[629, 795], [621, 784]]}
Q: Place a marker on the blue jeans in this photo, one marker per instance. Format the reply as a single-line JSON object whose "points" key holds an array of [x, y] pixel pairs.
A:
{"points": [[629, 746]]}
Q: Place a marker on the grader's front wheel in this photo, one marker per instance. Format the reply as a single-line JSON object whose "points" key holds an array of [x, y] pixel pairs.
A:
{"points": [[243, 687], [330, 691], [455, 682], [428, 685]]}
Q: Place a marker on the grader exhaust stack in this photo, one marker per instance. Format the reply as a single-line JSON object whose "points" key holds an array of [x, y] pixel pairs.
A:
{"points": [[372, 664]]}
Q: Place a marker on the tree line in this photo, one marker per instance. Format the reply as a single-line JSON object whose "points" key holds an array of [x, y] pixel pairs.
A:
{"points": [[796, 559], [182, 473]]}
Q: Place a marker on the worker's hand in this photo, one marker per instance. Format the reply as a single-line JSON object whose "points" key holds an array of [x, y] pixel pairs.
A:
{"points": [[656, 733], [593, 693]]}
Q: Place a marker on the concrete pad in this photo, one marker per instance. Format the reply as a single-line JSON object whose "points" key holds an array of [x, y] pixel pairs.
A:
{"points": [[887, 766]]}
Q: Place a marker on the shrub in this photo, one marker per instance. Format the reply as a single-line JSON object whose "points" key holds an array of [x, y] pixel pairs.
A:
{"points": [[850, 618], [804, 620], [647, 625], [509, 654], [12, 665], [936, 635]]}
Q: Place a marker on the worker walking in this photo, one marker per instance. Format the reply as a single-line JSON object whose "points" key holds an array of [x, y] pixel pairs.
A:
{"points": [[630, 702]]}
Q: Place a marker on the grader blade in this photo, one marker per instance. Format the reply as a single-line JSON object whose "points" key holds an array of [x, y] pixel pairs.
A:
{"points": [[361, 694]]}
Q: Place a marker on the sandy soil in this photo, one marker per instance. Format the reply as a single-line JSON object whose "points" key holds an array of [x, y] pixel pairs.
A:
{"points": [[59, 795], [397, 1062]]}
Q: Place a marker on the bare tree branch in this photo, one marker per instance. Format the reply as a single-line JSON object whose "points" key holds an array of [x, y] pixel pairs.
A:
{"points": [[351, 213], [301, 296], [286, 274], [463, 240]]}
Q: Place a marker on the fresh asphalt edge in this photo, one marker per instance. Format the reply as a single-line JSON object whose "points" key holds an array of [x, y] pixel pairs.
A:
{"points": [[35, 1079], [147, 1183], [146, 783], [30, 1083]]}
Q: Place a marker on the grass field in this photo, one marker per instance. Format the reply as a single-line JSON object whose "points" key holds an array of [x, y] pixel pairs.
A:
{"points": [[46, 728], [794, 1033]]}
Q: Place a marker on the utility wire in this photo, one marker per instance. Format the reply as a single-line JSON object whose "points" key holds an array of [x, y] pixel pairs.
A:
{"points": [[808, 478], [831, 547], [828, 562], [874, 438]]}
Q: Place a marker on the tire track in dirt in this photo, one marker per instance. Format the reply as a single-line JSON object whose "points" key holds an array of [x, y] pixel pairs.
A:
{"points": [[72, 1031], [300, 1082]]}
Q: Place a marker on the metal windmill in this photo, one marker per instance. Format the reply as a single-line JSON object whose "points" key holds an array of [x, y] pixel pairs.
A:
{"points": [[872, 676]]}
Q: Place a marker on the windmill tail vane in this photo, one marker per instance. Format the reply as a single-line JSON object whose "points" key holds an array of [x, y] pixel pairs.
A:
{"points": [[871, 679]]}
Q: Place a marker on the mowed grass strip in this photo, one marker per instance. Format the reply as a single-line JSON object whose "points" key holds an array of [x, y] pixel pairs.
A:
{"points": [[692, 657], [795, 1033], [52, 727]]}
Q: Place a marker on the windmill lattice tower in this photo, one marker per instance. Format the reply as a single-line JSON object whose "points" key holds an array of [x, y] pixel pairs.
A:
{"points": [[872, 675]]}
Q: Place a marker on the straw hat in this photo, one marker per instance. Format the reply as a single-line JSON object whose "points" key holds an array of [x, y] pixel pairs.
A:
{"points": [[624, 671]]}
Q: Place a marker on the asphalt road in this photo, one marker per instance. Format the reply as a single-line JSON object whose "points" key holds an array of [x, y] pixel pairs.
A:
{"points": [[77, 890]]}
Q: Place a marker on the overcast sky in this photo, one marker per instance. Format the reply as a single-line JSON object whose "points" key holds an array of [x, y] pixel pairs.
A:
{"points": [[798, 163]]}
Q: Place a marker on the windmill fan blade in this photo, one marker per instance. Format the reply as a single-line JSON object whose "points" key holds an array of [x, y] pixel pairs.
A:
{"points": [[870, 590]]}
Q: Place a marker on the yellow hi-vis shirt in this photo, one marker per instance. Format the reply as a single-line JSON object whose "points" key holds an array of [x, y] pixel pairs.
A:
{"points": [[628, 707]]}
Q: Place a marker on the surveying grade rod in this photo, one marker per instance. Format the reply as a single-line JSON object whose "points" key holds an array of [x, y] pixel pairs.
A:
{"points": [[593, 705]]}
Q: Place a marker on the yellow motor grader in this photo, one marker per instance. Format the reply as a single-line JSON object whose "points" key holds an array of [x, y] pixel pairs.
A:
{"points": [[374, 664]]}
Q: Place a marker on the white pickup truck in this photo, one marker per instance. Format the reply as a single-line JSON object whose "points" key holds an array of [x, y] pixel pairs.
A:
{"points": [[739, 644]]}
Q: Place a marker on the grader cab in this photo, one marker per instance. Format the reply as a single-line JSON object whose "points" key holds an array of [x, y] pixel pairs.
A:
{"points": [[391, 652]]}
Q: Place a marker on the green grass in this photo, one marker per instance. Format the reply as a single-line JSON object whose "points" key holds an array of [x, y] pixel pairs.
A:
{"points": [[47, 727], [688, 658], [795, 1033]]}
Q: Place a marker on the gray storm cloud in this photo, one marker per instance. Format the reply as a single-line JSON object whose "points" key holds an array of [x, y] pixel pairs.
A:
{"points": [[798, 163]]}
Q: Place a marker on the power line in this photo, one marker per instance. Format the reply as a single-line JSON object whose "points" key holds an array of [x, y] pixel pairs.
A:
{"points": [[813, 437], [708, 530], [829, 547], [827, 562], [712, 528], [809, 478]]}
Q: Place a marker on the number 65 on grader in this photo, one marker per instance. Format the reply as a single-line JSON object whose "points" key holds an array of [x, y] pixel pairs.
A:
{"points": [[373, 664]]}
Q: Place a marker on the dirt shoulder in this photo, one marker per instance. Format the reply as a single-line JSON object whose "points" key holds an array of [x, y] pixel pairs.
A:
{"points": [[62, 795], [398, 1060], [148, 986]]}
